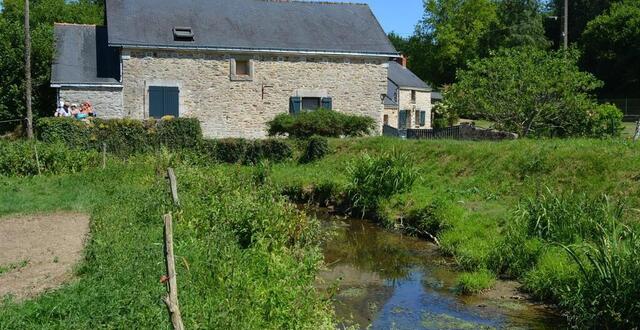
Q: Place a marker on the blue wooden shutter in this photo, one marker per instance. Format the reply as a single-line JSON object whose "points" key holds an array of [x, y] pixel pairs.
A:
{"points": [[171, 101], [295, 105], [156, 102], [423, 118], [402, 119], [327, 103]]}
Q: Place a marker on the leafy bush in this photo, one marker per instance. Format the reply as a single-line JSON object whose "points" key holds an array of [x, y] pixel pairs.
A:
{"points": [[179, 133], [320, 122], [275, 150], [373, 178], [550, 98], [123, 137], [552, 277], [19, 158], [72, 132], [231, 150], [317, 147]]}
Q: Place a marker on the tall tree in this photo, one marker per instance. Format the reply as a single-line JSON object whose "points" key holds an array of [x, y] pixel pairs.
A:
{"points": [[580, 13], [43, 14], [611, 47], [533, 92], [451, 33], [520, 23], [27, 69]]}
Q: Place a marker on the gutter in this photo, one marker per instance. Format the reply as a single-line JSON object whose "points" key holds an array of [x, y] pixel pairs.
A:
{"points": [[257, 50], [59, 85]]}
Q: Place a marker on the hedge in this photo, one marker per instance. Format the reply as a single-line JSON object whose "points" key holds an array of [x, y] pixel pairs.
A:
{"points": [[122, 136], [125, 137], [325, 123]]}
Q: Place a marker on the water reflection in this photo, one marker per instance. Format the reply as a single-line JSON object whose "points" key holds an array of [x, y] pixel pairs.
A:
{"points": [[390, 281]]}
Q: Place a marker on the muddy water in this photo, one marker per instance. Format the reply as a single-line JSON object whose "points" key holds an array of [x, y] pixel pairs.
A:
{"points": [[385, 280]]}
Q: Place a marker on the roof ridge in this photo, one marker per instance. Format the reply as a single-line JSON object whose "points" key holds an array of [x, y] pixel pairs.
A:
{"points": [[75, 24], [320, 2]]}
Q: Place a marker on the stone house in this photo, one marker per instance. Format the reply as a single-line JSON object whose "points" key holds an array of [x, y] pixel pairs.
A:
{"points": [[408, 101], [234, 65]]}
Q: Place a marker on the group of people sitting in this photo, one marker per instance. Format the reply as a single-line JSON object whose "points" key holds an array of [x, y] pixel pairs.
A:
{"points": [[84, 111]]}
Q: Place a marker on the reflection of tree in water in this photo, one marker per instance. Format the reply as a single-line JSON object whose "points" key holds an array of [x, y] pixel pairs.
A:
{"points": [[367, 248]]}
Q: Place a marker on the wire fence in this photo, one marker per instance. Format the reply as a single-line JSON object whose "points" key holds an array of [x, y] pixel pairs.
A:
{"points": [[630, 107]]}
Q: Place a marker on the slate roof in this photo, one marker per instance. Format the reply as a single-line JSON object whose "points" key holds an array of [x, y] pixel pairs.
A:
{"points": [[82, 56], [404, 78], [249, 25]]}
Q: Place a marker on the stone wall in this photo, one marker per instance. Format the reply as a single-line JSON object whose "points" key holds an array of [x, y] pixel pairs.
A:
{"points": [[239, 108], [470, 132], [106, 101]]}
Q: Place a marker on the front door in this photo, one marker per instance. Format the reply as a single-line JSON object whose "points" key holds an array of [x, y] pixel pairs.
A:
{"points": [[163, 101]]}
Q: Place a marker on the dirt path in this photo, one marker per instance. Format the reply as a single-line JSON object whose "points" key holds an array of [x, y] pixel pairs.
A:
{"points": [[38, 252]]}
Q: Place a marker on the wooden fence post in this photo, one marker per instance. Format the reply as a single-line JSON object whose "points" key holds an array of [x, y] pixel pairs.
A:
{"points": [[35, 149], [104, 155], [174, 186], [171, 300]]}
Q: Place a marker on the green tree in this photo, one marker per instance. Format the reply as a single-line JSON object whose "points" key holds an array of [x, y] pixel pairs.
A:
{"points": [[43, 14], [533, 92], [611, 46], [520, 23], [581, 12], [451, 33]]}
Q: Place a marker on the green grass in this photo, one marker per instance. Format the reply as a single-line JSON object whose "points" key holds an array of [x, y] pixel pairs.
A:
{"points": [[475, 282], [245, 258]]}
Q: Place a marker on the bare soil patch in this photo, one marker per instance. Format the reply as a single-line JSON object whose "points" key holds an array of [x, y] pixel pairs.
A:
{"points": [[38, 252]]}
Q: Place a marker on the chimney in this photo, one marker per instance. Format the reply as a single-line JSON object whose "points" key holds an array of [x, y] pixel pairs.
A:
{"points": [[402, 60]]}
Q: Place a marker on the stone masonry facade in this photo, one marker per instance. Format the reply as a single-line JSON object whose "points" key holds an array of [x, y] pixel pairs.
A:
{"points": [[228, 107], [422, 103], [106, 101]]}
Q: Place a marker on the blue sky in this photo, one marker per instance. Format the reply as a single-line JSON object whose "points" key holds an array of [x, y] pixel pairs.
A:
{"points": [[400, 16]]}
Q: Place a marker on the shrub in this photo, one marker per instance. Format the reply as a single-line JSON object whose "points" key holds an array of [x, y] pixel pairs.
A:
{"points": [[123, 137], [550, 98], [375, 178], [320, 122], [18, 158], [317, 147], [72, 132], [179, 133], [254, 153], [231, 150], [276, 150], [606, 120]]}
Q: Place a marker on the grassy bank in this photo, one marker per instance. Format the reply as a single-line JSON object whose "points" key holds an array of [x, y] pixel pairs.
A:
{"points": [[246, 259], [485, 201]]}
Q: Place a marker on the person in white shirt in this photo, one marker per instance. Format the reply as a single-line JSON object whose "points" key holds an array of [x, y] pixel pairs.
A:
{"points": [[61, 111]]}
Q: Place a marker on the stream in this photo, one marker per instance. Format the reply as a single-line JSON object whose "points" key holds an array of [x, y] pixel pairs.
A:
{"points": [[386, 280]]}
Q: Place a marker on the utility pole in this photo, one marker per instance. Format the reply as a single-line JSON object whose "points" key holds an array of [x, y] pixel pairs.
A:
{"points": [[27, 69], [565, 33]]}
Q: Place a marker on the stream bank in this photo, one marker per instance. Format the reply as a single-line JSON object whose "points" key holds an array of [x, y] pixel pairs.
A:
{"points": [[384, 279]]}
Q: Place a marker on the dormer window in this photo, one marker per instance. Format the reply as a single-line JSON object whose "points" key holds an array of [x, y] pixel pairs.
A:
{"points": [[183, 33]]}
